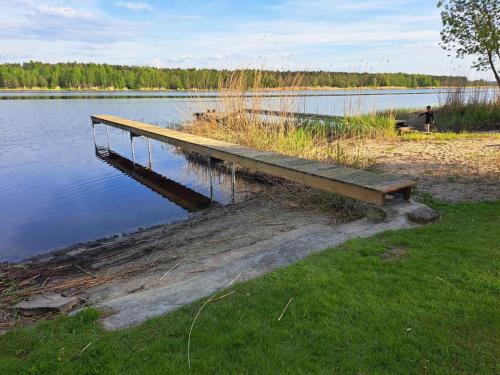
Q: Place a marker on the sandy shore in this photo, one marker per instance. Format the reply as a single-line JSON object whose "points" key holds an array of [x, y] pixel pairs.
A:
{"points": [[449, 170]]}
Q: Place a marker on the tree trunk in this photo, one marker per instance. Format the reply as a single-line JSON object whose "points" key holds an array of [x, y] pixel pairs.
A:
{"points": [[497, 77]]}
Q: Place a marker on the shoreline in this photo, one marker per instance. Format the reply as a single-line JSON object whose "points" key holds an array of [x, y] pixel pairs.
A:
{"points": [[292, 88], [126, 276]]}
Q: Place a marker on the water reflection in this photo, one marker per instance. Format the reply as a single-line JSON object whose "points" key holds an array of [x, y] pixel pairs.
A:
{"points": [[181, 195]]}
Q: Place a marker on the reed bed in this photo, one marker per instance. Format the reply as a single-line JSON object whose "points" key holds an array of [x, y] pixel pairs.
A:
{"points": [[462, 112], [316, 139], [469, 110], [370, 125]]}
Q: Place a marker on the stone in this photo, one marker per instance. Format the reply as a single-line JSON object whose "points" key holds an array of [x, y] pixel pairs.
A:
{"points": [[43, 304], [376, 214], [423, 215]]}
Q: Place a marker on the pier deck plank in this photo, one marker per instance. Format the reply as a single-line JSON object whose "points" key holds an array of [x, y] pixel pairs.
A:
{"points": [[354, 183]]}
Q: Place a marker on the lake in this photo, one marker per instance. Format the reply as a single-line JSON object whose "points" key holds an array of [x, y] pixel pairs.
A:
{"points": [[56, 190]]}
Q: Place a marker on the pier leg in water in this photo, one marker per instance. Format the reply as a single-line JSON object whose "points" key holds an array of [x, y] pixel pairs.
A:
{"points": [[93, 131], [107, 136], [233, 182], [150, 160], [210, 177], [132, 147]]}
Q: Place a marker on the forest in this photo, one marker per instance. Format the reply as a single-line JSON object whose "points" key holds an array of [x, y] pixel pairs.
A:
{"points": [[30, 75]]}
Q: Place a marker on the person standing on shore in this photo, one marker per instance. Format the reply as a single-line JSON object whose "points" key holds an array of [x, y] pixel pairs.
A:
{"points": [[429, 119]]}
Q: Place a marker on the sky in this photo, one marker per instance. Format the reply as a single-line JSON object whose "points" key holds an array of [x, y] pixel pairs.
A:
{"points": [[348, 35]]}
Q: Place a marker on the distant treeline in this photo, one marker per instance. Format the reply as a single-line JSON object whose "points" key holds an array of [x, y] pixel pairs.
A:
{"points": [[105, 76]]}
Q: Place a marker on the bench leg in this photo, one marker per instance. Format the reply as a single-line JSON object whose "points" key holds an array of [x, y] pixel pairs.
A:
{"points": [[407, 193]]}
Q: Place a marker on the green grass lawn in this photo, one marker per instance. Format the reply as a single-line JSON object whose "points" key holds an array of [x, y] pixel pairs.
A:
{"points": [[430, 307]]}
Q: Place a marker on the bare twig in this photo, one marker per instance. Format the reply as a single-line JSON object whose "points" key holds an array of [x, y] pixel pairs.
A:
{"points": [[87, 272], [443, 280], [27, 281], [85, 348], [286, 307], [45, 282], [223, 296], [170, 269], [154, 261], [211, 299]]}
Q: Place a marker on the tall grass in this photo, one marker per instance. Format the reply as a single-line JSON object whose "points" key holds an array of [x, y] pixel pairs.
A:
{"points": [[370, 125], [469, 110], [317, 139]]}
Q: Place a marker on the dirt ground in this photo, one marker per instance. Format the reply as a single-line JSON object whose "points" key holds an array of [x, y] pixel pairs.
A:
{"points": [[450, 170]]}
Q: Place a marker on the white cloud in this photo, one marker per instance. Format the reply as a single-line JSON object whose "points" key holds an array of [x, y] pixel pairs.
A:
{"points": [[182, 16], [65, 12], [76, 21], [135, 6], [313, 34], [323, 7]]}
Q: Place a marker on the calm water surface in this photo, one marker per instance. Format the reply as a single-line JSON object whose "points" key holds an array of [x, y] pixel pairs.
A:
{"points": [[55, 190]]}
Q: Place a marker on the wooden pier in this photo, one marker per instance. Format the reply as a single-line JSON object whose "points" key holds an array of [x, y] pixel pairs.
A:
{"points": [[354, 183]]}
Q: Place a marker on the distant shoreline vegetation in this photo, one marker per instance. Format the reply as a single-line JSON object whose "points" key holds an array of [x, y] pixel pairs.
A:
{"points": [[79, 76]]}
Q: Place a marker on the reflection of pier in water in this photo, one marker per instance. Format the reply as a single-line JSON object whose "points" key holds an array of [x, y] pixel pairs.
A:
{"points": [[179, 194]]}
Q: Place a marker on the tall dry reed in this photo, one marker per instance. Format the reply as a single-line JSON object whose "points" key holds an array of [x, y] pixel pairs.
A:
{"points": [[238, 119]]}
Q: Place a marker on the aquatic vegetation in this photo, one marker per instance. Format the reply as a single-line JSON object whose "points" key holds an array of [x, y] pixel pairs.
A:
{"points": [[361, 125], [239, 119], [460, 110], [469, 110]]}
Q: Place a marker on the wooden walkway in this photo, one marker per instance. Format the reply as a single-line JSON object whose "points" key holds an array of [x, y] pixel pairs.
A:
{"points": [[358, 184]]}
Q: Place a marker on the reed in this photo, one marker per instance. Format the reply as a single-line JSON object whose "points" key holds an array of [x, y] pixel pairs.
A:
{"points": [[465, 109], [317, 139], [369, 125]]}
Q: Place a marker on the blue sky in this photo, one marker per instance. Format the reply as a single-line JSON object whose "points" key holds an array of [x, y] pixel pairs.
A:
{"points": [[356, 35]]}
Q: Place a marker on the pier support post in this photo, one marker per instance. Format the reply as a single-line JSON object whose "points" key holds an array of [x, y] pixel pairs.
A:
{"points": [[210, 177], [132, 147], [233, 182], [93, 131], [107, 136], [150, 159]]}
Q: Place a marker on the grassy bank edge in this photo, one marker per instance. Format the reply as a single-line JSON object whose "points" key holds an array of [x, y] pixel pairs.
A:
{"points": [[423, 300]]}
